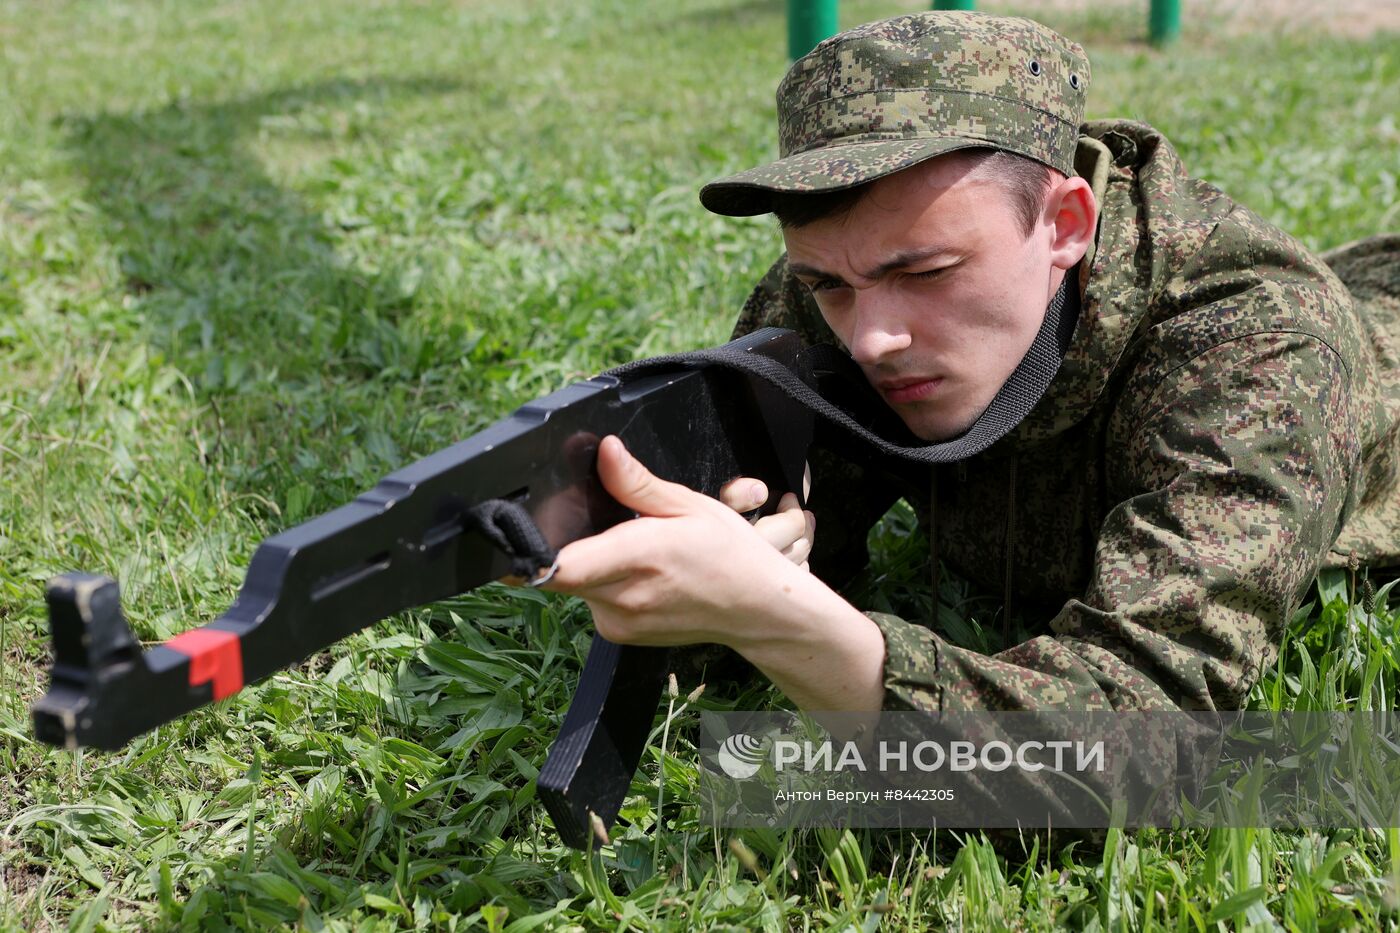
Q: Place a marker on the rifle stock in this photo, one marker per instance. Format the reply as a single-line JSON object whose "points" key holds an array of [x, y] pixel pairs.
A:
{"points": [[408, 542]]}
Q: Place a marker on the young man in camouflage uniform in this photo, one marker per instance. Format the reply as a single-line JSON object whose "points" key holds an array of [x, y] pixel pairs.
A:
{"points": [[1222, 422]]}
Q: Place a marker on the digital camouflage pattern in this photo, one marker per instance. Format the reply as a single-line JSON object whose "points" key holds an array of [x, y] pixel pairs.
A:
{"points": [[884, 96], [1223, 425], [1371, 270]]}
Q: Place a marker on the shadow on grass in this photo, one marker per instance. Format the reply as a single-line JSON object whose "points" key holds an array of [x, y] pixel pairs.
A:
{"points": [[232, 274]]}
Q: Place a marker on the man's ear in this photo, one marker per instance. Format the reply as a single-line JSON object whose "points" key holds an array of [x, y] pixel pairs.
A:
{"points": [[1073, 216]]}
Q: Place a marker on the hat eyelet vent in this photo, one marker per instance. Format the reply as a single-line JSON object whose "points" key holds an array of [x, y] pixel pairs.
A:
{"points": [[1034, 67], [1074, 81]]}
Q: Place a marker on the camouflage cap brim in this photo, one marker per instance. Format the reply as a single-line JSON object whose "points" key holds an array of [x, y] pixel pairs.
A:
{"points": [[884, 96], [831, 168]]}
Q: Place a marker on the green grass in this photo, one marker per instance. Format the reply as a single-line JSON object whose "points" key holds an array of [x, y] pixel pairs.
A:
{"points": [[253, 256]]}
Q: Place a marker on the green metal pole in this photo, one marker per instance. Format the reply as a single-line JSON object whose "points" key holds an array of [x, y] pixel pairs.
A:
{"points": [[809, 22], [954, 5], [1164, 21]]}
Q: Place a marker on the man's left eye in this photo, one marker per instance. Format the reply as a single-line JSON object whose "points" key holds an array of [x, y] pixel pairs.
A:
{"points": [[931, 273]]}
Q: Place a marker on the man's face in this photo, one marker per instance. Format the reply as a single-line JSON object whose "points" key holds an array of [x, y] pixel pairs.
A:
{"points": [[933, 285]]}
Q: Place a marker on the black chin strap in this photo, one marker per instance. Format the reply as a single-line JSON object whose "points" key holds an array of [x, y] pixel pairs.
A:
{"points": [[1017, 396]]}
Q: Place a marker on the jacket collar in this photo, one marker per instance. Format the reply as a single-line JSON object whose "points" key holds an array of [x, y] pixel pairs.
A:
{"points": [[1109, 314]]}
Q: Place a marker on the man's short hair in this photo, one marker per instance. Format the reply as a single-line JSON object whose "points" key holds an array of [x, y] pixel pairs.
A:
{"points": [[1024, 180]]}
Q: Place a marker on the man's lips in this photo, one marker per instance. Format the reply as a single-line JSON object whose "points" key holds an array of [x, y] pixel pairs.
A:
{"points": [[913, 389]]}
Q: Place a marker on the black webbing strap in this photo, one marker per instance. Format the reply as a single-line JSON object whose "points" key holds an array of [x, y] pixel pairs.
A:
{"points": [[1017, 396], [510, 528]]}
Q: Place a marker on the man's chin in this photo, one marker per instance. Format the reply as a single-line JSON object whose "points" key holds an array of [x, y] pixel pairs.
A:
{"points": [[939, 434], [935, 428]]}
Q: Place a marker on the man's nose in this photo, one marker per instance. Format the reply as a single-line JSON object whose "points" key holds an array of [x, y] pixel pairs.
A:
{"points": [[879, 331]]}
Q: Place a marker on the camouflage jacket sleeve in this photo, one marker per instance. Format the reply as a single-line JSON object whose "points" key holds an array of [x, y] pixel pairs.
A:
{"points": [[1230, 473]]}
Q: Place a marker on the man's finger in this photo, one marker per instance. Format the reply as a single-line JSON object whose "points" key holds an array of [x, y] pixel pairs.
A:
{"points": [[785, 526], [744, 494], [798, 550], [601, 559], [632, 484]]}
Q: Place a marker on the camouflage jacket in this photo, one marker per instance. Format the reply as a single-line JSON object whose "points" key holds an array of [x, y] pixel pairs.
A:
{"points": [[1223, 424]]}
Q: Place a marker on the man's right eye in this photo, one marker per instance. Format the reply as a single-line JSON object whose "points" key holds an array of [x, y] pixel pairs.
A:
{"points": [[823, 285]]}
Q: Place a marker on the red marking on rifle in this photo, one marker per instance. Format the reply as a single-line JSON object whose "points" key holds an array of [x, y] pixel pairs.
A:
{"points": [[214, 656]]}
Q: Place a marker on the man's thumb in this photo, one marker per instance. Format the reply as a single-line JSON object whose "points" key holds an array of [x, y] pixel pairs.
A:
{"points": [[632, 484]]}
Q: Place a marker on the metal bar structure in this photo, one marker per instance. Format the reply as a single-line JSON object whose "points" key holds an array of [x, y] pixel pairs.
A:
{"points": [[809, 22], [1164, 21]]}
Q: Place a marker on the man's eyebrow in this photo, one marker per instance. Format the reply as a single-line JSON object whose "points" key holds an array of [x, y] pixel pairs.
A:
{"points": [[897, 261]]}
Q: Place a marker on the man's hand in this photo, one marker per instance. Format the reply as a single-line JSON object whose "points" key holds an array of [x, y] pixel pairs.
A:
{"points": [[690, 570], [791, 530]]}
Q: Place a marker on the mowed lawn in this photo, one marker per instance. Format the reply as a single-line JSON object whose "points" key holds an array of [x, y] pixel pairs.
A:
{"points": [[253, 256]]}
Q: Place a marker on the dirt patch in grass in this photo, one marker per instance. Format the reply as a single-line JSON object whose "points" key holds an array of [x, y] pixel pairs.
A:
{"points": [[1354, 19], [19, 880], [22, 878]]}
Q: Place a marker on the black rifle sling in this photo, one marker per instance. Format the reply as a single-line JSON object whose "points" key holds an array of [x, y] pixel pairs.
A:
{"points": [[509, 527], [588, 772], [394, 547], [1017, 396]]}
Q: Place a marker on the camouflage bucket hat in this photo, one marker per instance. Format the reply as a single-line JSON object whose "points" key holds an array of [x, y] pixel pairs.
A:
{"points": [[887, 95]]}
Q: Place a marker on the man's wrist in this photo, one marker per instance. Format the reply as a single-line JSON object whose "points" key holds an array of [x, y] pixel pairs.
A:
{"points": [[817, 648]]}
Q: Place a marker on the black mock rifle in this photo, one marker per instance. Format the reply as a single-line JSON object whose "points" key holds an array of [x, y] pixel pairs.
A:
{"points": [[499, 503]]}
